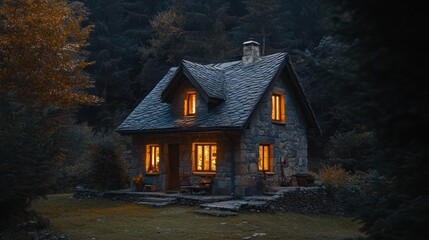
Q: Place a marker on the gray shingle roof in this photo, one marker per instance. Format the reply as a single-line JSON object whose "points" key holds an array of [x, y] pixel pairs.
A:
{"points": [[211, 79], [239, 86]]}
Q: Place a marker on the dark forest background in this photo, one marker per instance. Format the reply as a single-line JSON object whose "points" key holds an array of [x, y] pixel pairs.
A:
{"points": [[362, 64]]}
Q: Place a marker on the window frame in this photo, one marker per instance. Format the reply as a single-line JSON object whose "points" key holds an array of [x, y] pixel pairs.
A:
{"points": [[195, 157], [262, 159], [190, 103], [278, 111], [152, 165]]}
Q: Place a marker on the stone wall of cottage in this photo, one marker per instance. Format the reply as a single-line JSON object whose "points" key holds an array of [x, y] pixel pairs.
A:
{"points": [[224, 164], [288, 140]]}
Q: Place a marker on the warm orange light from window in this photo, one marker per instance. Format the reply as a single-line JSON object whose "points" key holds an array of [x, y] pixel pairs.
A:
{"points": [[276, 107], [205, 157], [190, 101], [264, 158], [152, 159]]}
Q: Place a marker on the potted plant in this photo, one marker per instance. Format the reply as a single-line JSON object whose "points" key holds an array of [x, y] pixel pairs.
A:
{"points": [[137, 183]]}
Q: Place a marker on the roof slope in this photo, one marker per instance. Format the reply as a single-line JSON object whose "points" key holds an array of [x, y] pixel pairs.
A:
{"points": [[240, 87]]}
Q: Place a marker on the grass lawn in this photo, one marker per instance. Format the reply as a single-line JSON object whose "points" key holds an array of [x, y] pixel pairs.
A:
{"points": [[104, 219]]}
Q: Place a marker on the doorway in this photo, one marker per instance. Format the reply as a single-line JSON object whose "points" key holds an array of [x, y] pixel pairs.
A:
{"points": [[173, 167]]}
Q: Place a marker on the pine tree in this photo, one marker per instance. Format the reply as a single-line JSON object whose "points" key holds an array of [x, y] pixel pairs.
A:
{"points": [[121, 29], [385, 93], [288, 25], [193, 30]]}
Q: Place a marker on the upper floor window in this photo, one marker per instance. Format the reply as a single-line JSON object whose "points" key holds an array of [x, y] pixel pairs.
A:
{"points": [[205, 157], [278, 113], [152, 158], [264, 160], [190, 101]]}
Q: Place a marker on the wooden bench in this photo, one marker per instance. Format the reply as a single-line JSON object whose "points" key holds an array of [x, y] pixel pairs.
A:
{"points": [[184, 183], [204, 186]]}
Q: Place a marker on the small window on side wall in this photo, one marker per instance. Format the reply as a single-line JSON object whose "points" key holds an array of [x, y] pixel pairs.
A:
{"points": [[152, 158], [189, 104], [265, 156], [278, 112]]}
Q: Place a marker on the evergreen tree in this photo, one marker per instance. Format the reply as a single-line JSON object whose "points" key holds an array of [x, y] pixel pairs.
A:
{"points": [[385, 93], [281, 25], [121, 29], [193, 30]]}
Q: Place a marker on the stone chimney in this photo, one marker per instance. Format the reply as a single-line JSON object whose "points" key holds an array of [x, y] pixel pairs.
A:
{"points": [[250, 52]]}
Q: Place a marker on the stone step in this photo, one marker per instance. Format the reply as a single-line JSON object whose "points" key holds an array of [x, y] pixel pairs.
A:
{"points": [[261, 198], [157, 199], [155, 204], [232, 205], [256, 204], [216, 213], [270, 193]]}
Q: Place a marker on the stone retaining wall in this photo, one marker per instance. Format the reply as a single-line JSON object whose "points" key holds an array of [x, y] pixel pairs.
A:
{"points": [[316, 200]]}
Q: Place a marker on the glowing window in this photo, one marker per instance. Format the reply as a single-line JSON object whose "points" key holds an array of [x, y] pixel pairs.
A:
{"points": [[152, 158], [205, 157], [277, 108], [264, 159], [190, 100]]}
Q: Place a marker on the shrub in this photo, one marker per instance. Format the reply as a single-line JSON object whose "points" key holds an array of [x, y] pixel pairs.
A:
{"points": [[108, 167], [333, 175], [75, 168]]}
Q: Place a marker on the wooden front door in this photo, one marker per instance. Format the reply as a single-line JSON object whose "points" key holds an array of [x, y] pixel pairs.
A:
{"points": [[173, 167]]}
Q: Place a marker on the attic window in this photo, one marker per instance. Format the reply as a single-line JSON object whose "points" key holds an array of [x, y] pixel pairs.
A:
{"points": [[277, 108], [189, 104]]}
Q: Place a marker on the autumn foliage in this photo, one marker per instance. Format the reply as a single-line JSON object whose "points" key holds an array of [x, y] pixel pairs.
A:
{"points": [[333, 175], [41, 56]]}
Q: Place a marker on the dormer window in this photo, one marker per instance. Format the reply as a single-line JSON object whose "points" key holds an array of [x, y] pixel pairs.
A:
{"points": [[278, 113], [189, 103]]}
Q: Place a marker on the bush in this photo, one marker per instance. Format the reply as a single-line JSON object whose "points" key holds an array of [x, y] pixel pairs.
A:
{"points": [[108, 167], [75, 168], [351, 148], [333, 175]]}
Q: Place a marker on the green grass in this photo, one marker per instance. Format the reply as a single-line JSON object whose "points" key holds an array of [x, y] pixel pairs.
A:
{"points": [[104, 219]]}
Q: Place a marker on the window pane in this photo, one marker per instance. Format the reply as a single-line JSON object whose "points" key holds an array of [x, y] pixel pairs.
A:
{"points": [[157, 159], [206, 157], [277, 107], [152, 158], [199, 157], [260, 157], [193, 98], [191, 103], [266, 158], [273, 107], [213, 157]]}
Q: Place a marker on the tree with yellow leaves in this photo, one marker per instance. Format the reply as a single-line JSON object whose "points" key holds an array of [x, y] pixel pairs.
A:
{"points": [[41, 58]]}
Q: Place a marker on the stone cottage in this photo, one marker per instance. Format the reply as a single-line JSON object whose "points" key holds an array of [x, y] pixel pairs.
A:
{"points": [[244, 122]]}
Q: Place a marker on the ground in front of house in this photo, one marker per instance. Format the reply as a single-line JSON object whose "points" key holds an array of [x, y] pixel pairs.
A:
{"points": [[105, 219]]}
